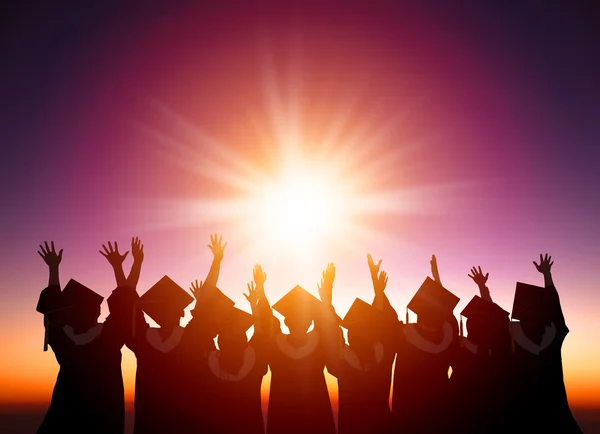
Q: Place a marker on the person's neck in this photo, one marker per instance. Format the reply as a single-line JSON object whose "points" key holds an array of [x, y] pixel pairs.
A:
{"points": [[297, 339], [534, 333], [433, 333], [166, 331], [82, 328], [231, 361]]}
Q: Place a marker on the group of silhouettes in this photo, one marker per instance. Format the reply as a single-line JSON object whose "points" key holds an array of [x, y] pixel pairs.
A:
{"points": [[504, 376]]}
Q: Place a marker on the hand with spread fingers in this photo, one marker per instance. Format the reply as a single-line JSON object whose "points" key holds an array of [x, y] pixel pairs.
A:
{"points": [[217, 247], [326, 285], [259, 277], [197, 290], [379, 278], [545, 267], [478, 277], [137, 249], [252, 296], [381, 284], [49, 255], [113, 256], [545, 264]]}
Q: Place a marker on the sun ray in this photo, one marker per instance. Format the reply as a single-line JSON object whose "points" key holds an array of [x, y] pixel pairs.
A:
{"points": [[311, 184]]}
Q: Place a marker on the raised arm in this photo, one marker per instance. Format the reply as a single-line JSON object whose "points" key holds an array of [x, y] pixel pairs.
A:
{"points": [[389, 316], [52, 259], [379, 279], [218, 249], [434, 270], [481, 280], [50, 297], [137, 251], [326, 324], [115, 259], [545, 267]]}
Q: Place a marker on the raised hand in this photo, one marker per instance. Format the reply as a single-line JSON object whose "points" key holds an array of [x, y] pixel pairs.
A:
{"points": [[478, 277], [49, 255], [434, 270], [374, 269], [545, 265], [380, 283], [259, 277], [197, 289], [252, 295], [113, 256], [137, 249], [326, 285], [216, 246]]}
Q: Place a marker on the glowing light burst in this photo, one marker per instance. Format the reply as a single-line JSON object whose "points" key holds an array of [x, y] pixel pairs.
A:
{"points": [[321, 191]]}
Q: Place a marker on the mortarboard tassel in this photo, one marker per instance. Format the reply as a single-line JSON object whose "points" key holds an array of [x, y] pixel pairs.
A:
{"points": [[407, 315], [46, 327]]}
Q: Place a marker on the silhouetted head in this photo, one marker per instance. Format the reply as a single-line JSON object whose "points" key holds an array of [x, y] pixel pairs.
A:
{"points": [[430, 319], [433, 304], [362, 324], [487, 323], [362, 343], [169, 317], [531, 305], [232, 328], [478, 330], [233, 341], [82, 305], [298, 324], [298, 308], [165, 303], [85, 317]]}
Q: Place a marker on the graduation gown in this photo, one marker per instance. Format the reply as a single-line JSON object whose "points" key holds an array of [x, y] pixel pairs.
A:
{"points": [[169, 392], [235, 398], [364, 391], [88, 395], [420, 398], [540, 403], [479, 389], [299, 399]]}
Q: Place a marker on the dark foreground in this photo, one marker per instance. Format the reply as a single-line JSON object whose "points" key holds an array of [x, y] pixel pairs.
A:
{"points": [[26, 420]]}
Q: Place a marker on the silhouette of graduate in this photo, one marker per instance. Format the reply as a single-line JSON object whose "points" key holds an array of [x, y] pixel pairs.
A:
{"points": [[299, 399], [540, 403], [236, 369], [167, 356], [88, 394], [364, 367], [420, 398], [480, 367]]}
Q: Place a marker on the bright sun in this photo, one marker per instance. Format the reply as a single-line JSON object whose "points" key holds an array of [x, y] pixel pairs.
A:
{"points": [[299, 209], [301, 187]]}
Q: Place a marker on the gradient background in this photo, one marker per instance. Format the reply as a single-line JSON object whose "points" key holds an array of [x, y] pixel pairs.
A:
{"points": [[501, 104]]}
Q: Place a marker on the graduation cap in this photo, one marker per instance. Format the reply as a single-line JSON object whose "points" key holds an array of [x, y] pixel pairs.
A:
{"points": [[361, 316], [529, 299], [483, 310], [164, 296], [75, 299], [214, 308], [480, 308], [432, 297], [298, 302], [235, 319], [80, 296]]}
